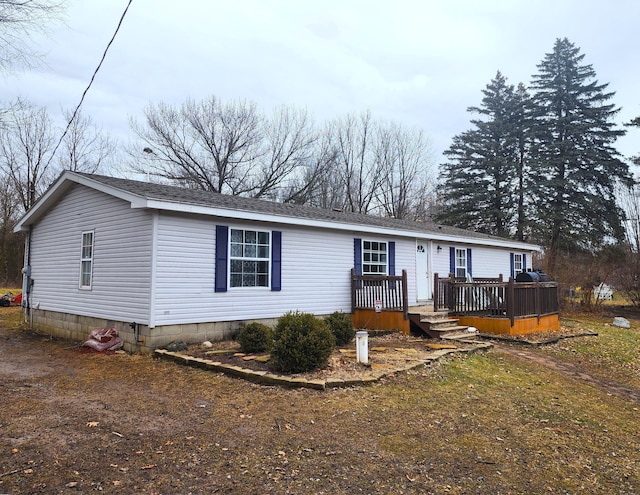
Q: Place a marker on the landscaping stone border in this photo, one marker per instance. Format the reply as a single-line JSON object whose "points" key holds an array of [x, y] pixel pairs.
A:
{"points": [[267, 378]]}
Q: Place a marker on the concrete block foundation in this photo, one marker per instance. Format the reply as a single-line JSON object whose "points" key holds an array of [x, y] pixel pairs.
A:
{"points": [[141, 339]]}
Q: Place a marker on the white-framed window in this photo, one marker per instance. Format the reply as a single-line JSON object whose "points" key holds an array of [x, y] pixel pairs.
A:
{"points": [[375, 259], [86, 260], [517, 263], [461, 263], [249, 258]]}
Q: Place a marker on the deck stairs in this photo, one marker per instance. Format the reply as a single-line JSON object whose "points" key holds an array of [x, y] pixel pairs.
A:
{"points": [[438, 324]]}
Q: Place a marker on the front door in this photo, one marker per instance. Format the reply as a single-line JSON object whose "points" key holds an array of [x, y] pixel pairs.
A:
{"points": [[423, 278]]}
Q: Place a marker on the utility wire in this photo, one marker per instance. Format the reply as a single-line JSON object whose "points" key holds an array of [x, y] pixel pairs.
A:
{"points": [[95, 72]]}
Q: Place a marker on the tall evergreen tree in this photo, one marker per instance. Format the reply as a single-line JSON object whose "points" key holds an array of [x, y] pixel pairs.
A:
{"points": [[575, 166], [484, 177], [521, 121], [636, 123]]}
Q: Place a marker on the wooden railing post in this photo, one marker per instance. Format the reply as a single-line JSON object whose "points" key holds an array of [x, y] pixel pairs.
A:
{"points": [[537, 300], [436, 292], [405, 295], [451, 293], [511, 301], [353, 291]]}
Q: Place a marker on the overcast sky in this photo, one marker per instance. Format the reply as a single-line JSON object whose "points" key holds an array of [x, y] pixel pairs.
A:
{"points": [[417, 62]]}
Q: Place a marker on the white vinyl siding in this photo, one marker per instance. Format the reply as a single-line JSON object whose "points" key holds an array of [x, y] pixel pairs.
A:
{"points": [[487, 261], [120, 271], [316, 265], [186, 262]]}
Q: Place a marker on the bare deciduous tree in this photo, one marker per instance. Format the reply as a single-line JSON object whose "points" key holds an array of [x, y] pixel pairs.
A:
{"points": [[354, 163], [85, 147], [206, 145], [403, 156], [227, 147], [288, 144], [11, 245], [316, 184], [26, 144], [360, 173], [19, 20]]}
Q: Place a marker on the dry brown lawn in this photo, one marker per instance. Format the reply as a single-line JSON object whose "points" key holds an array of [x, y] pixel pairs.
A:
{"points": [[556, 419]]}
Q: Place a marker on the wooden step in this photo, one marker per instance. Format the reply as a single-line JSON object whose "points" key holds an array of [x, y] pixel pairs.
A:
{"points": [[448, 331], [440, 322], [436, 325]]}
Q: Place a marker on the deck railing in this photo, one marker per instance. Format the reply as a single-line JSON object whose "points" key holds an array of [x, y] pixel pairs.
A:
{"points": [[495, 297], [389, 291]]}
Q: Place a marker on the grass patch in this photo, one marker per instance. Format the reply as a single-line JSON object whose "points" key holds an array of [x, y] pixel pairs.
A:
{"points": [[490, 422], [613, 354]]}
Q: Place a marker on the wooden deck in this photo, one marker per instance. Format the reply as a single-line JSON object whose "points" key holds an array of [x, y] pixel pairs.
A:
{"points": [[491, 305]]}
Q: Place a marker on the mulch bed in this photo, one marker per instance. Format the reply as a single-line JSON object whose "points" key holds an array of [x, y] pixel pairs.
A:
{"points": [[386, 352]]}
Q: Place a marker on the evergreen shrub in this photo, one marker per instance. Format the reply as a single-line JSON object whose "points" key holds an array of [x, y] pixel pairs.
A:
{"points": [[341, 327], [301, 342], [255, 337]]}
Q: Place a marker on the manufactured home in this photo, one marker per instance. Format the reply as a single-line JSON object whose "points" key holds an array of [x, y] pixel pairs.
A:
{"points": [[162, 263]]}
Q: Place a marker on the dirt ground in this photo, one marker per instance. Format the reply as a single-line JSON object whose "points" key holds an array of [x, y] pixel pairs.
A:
{"points": [[507, 420]]}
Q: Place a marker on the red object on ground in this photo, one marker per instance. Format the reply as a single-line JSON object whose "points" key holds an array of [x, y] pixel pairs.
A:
{"points": [[102, 339], [17, 300]]}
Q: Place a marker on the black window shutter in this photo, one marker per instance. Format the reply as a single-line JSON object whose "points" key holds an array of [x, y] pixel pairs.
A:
{"points": [[357, 256], [452, 260], [513, 265], [392, 258], [276, 260], [222, 243], [392, 263], [469, 271]]}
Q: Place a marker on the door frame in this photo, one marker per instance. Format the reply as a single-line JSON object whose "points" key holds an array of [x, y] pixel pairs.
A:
{"points": [[424, 285]]}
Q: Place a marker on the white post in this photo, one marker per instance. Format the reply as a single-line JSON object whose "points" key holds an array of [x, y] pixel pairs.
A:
{"points": [[362, 347]]}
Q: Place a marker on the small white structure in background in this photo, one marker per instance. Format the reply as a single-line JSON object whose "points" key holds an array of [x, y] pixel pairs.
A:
{"points": [[362, 347], [602, 292], [621, 322]]}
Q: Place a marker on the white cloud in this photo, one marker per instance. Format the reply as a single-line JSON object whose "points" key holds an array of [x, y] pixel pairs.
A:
{"points": [[418, 62]]}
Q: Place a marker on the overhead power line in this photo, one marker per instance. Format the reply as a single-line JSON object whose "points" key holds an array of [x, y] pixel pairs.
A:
{"points": [[95, 72]]}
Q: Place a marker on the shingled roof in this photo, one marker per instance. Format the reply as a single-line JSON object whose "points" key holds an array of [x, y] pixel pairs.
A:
{"points": [[180, 195]]}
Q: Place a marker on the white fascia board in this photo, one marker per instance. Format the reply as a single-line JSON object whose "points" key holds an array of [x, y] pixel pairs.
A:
{"points": [[324, 224], [134, 199], [61, 186]]}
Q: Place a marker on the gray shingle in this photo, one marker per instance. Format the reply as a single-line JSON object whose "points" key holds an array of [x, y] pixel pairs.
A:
{"points": [[196, 197]]}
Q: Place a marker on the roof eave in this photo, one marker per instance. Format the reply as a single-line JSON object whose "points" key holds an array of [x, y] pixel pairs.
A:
{"points": [[333, 225], [67, 180]]}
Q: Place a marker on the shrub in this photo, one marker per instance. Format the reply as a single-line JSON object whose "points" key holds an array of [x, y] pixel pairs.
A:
{"points": [[301, 342], [255, 337], [341, 327]]}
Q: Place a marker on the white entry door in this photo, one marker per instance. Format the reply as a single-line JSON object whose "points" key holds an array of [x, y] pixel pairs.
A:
{"points": [[423, 277]]}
